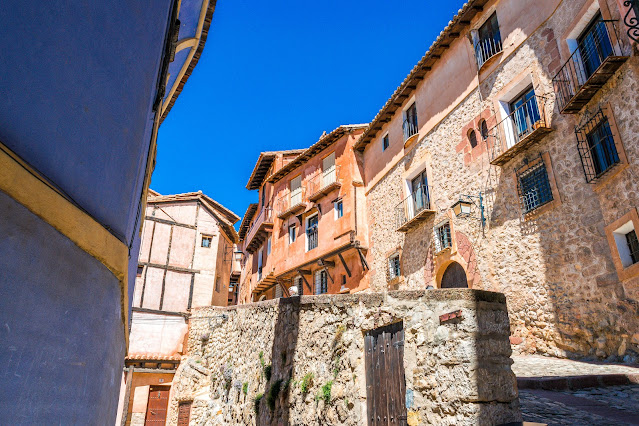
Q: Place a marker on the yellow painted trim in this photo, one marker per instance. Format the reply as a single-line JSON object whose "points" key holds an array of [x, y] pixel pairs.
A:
{"points": [[24, 184]]}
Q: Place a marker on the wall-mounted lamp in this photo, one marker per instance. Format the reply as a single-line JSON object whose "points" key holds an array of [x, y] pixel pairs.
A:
{"points": [[464, 207]]}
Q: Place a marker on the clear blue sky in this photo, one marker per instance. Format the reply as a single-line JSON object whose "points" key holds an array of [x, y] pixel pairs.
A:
{"points": [[276, 74]]}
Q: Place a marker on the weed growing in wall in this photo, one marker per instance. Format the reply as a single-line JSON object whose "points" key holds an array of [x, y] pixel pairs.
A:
{"points": [[245, 388], [256, 403], [267, 371], [306, 383], [273, 393], [325, 393]]}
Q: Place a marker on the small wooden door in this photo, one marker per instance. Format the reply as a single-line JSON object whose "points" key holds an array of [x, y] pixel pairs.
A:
{"points": [[157, 406], [184, 413], [385, 381], [454, 277]]}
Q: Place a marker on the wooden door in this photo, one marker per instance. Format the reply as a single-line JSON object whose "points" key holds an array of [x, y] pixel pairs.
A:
{"points": [[184, 413], [454, 277], [385, 381], [157, 406]]}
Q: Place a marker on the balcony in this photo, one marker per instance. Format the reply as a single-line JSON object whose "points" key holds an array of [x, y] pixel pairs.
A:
{"points": [[596, 58], [323, 183], [263, 281], [409, 127], [259, 230], [413, 210], [486, 49], [291, 203], [524, 127]]}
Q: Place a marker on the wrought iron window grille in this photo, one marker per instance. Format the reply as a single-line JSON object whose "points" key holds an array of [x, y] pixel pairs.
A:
{"points": [[632, 22], [442, 237], [533, 185], [394, 267], [633, 246], [596, 145]]}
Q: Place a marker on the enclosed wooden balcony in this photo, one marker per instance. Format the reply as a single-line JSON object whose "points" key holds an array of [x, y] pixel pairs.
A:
{"points": [[259, 230], [291, 204], [597, 57], [413, 210], [324, 183], [524, 127]]}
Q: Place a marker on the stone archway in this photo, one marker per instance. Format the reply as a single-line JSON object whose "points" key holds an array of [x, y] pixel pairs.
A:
{"points": [[454, 277]]}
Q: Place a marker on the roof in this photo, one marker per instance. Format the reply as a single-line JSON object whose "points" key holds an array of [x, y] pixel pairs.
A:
{"points": [[148, 356], [417, 74], [224, 216], [263, 165], [250, 212], [186, 17], [317, 147]]}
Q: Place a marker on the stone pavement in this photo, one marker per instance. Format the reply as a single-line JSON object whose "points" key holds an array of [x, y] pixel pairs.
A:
{"points": [[609, 405]]}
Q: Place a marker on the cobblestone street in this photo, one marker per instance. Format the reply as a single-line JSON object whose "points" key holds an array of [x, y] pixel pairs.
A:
{"points": [[611, 405]]}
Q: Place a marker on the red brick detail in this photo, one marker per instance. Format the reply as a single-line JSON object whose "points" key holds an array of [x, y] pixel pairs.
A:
{"points": [[450, 316], [516, 340]]}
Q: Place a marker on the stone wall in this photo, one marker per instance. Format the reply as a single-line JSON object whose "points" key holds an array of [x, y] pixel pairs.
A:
{"points": [[555, 267], [457, 372]]}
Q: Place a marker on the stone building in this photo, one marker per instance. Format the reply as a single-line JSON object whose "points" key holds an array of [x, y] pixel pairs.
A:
{"points": [[522, 118], [185, 261], [308, 232], [85, 86]]}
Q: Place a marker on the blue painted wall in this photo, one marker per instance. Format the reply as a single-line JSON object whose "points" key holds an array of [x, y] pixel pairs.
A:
{"points": [[78, 82], [62, 340]]}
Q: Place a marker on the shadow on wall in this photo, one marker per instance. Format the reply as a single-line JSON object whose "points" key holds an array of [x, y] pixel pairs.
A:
{"points": [[272, 407]]}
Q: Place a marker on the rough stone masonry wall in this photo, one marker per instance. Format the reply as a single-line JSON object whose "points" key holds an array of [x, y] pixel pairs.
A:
{"points": [[456, 372], [564, 296]]}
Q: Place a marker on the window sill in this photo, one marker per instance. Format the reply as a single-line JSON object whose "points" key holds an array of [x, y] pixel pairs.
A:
{"points": [[609, 175], [541, 210], [447, 250]]}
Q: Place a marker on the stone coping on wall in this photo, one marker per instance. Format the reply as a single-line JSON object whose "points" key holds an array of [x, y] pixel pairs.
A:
{"points": [[368, 299]]}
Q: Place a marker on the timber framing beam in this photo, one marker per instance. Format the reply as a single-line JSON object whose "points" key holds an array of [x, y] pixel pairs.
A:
{"points": [[169, 222], [170, 268]]}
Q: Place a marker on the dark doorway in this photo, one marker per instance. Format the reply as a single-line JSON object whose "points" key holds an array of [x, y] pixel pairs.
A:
{"points": [[454, 277], [157, 406], [385, 382]]}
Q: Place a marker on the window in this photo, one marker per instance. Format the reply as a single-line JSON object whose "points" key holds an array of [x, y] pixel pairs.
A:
{"points": [[263, 195], [329, 171], [278, 291], [385, 142], [524, 113], [394, 268], [420, 196], [472, 138], [292, 234], [339, 209], [268, 245], [299, 283], [627, 244], [533, 185], [259, 263], [488, 43], [321, 281], [410, 121], [311, 232], [140, 270], [442, 237], [596, 146], [483, 128], [296, 191], [206, 241], [217, 285], [594, 46]]}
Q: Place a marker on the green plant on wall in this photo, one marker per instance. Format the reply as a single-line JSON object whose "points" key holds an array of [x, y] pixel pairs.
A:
{"points": [[245, 388], [256, 403], [267, 371], [306, 382], [261, 356], [273, 393], [325, 393]]}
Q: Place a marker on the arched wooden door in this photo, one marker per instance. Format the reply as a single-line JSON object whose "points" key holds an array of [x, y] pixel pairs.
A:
{"points": [[454, 277]]}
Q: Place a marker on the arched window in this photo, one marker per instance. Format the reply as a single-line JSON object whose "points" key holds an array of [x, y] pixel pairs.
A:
{"points": [[472, 137], [483, 128]]}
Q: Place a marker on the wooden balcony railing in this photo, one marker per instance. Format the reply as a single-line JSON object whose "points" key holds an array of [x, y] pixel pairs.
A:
{"points": [[413, 210], [323, 183]]}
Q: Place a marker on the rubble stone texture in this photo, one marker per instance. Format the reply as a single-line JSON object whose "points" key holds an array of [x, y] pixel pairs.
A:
{"points": [[556, 269], [457, 372]]}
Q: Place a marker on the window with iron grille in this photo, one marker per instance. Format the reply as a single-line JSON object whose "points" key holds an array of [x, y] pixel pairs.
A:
{"points": [[596, 146], [394, 267], [442, 237], [311, 232], [533, 185], [321, 281], [633, 246], [489, 40], [299, 283], [278, 291]]}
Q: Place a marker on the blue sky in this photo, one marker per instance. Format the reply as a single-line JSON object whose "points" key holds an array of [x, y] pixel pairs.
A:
{"points": [[276, 74]]}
